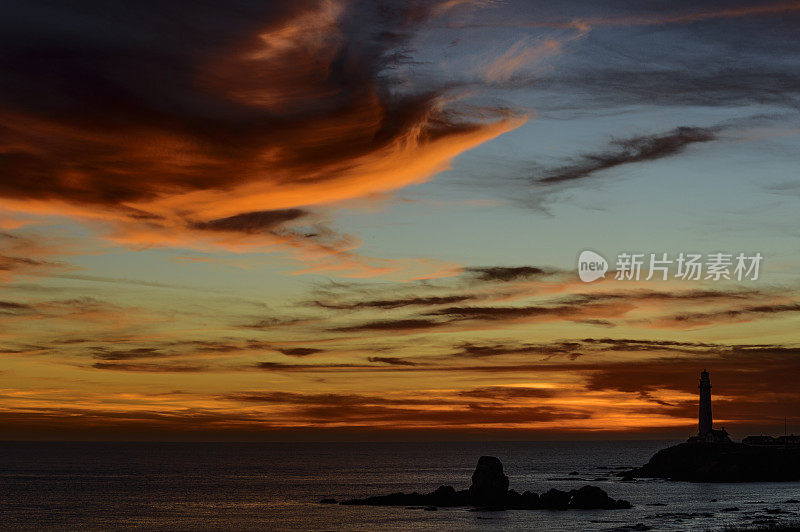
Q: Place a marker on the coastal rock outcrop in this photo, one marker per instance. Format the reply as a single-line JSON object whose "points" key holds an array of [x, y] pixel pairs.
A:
{"points": [[594, 498], [489, 483], [554, 499], [442, 496], [489, 490], [722, 462], [526, 500]]}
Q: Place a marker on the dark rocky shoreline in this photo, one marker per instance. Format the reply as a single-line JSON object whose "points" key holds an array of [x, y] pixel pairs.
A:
{"points": [[721, 462], [489, 490]]}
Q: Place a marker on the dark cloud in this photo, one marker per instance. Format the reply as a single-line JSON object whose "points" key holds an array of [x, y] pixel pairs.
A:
{"points": [[631, 150], [647, 396], [272, 323], [182, 349], [599, 323], [25, 254], [507, 273], [573, 349], [598, 308], [329, 399], [152, 367], [129, 354], [183, 357], [730, 315], [13, 308], [763, 373], [197, 348], [679, 296], [393, 361], [8, 263], [299, 351], [71, 309], [602, 309], [473, 414], [505, 393], [207, 346], [472, 350], [532, 312], [684, 352], [430, 293], [280, 366], [24, 349], [502, 313], [629, 344], [396, 303], [391, 325], [252, 222]]}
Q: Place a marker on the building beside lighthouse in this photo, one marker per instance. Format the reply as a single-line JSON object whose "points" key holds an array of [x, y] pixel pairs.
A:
{"points": [[706, 431]]}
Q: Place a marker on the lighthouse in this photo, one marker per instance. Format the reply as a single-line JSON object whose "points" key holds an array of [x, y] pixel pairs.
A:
{"points": [[705, 404], [706, 432]]}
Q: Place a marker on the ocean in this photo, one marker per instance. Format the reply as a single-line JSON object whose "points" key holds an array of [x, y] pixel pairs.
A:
{"points": [[277, 486]]}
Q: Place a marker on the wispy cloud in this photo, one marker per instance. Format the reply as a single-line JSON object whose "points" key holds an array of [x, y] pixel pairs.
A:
{"points": [[299, 351], [726, 315], [627, 151], [393, 361], [391, 325], [252, 222], [508, 273], [505, 393], [688, 15], [408, 301]]}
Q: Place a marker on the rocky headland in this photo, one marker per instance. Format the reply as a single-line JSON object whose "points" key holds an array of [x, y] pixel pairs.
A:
{"points": [[722, 462]]}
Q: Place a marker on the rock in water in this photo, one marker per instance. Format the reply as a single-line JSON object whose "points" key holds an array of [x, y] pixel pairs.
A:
{"points": [[444, 496], [554, 499], [489, 490], [594, 498], [489, 483]]}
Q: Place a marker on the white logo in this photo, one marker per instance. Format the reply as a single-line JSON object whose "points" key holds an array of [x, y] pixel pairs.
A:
{"points": [[591, 266], [661, 266]]}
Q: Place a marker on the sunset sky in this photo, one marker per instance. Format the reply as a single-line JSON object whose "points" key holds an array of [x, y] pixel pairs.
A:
{"points": [[341, 219]]}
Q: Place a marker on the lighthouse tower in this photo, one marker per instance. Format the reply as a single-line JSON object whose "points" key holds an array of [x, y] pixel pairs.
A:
{"points": [[705, 404], [706, 432]]}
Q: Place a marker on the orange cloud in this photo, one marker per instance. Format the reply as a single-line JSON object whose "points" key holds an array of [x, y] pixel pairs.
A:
{"points": [[410, 159], [274, 110]]}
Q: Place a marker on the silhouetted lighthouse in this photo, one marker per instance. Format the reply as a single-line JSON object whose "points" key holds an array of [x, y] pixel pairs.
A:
{"points": [[707, 433], [705, 404]]}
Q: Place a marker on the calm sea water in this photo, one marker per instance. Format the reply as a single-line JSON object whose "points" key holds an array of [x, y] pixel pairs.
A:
{"points": [[276, 486]]}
